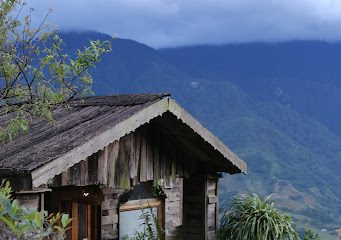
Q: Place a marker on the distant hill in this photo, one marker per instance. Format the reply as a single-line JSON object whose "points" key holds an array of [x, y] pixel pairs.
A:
{"points": [[305, 75], [130, 67], [271, 103]]}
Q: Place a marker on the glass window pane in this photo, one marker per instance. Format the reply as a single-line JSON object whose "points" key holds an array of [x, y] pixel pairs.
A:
{"points": [[130, 222]]}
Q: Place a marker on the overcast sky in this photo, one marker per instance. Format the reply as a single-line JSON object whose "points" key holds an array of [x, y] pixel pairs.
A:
{"points": [[168, 23]]}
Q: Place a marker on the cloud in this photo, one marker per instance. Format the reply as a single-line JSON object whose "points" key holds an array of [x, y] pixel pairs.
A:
{"points": [[167, 23]]}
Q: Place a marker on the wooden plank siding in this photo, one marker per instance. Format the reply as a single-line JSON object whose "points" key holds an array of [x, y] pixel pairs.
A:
{"points": [[140, 156], [194, 208]]}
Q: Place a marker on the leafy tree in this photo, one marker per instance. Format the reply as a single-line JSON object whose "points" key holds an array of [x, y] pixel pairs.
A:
{"points": [[250, 218], [35, 77], [18, 222], [35, 74]]}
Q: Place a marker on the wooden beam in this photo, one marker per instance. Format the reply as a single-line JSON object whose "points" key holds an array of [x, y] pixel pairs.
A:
{"points": [[140, 204], [37, 190], [75, 221]]}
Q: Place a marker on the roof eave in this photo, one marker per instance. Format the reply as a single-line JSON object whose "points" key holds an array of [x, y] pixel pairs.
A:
{"points": [[52, 168], [207, 136]]}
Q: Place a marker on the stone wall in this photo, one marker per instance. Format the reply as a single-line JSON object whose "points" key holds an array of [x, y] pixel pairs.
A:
{"points": [[109, 219], [212, 209], [173, 208]]}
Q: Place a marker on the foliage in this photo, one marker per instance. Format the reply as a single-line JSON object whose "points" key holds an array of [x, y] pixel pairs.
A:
{"points": [[253, 219], [35, 74], [310, 235], [18, 222], [152, 230], [157, 189]]}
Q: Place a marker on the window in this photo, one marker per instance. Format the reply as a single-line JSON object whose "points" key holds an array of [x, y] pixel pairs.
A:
{"points": [[133, 204], [85, 221], [130, 221]]}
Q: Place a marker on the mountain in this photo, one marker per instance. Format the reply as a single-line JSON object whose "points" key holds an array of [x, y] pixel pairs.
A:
{"points": [[291, 149], [302, 74], [130, 66]]}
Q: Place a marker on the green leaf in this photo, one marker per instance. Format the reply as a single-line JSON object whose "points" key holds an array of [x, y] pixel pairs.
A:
{"points": [[65, 220]]}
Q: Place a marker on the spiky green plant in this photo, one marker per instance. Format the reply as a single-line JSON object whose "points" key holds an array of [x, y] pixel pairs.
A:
{"points": [[152, 229], [250, 218], [310, 235]]}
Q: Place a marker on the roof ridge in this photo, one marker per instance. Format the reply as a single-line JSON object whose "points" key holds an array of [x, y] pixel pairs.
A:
{"points": [[118, 99], [161, 94]]}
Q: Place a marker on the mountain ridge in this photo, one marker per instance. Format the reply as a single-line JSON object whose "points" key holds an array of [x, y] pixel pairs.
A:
{"points": [[281, 72]]}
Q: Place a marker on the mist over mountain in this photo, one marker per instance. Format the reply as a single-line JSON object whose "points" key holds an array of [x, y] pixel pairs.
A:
{"points": [[276, 105]]}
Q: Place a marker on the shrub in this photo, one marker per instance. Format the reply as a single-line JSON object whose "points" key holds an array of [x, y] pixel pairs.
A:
{"points": [[250, 218], [18, 222], [310, 235]]}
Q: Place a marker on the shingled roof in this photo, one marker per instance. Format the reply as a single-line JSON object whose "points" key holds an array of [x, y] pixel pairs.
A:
{"points": [[85, 126]]}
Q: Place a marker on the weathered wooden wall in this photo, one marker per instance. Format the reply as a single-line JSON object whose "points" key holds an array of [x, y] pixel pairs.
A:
{"points": [[141, 156], [200, 197], [194, 208], [146, 155]]}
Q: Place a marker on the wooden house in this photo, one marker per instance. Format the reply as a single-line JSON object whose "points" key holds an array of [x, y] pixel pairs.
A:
{"points": [[105, 158]]}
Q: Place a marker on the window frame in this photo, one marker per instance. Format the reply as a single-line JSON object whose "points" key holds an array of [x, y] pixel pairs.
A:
{"points": [[133, 205]]}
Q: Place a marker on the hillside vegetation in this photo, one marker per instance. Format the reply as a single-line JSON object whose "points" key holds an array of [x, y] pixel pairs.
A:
{"points": [[281, 115]]}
